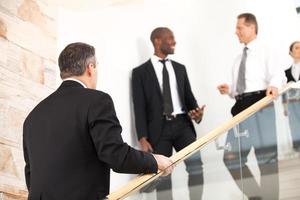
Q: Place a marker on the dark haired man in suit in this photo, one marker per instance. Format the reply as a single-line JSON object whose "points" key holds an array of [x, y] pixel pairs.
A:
{"points": [[164, 106], [73, 137]]}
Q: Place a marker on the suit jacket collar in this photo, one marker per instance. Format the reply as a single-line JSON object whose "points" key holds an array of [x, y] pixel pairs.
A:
{"points": [[70, 84], [76, 80]]}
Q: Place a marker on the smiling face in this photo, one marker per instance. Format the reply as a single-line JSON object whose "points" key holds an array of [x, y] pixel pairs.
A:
{"points": [[164, 43], [167, 43], [246, 32]]}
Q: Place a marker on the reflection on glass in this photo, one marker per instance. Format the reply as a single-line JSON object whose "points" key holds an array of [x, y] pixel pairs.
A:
{"points": [[245, 166], [291, 103], [194, 181], [187, 180], [257, 132]]}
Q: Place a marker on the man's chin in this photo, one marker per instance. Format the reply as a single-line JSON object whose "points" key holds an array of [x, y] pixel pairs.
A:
{"points": [[241, 41], [169, 52]]}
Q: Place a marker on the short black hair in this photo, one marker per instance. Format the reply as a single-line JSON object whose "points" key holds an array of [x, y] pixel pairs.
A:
{"points": [[73, 59], [249, 19], [157, 32]]}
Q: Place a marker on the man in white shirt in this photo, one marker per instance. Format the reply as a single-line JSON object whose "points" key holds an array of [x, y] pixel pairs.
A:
{"points": [[255, 74]]}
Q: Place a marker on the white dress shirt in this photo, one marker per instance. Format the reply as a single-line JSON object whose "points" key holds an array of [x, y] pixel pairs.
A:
{"points": [[76, 80], [296, 71], [262, 69], [158, 67]]}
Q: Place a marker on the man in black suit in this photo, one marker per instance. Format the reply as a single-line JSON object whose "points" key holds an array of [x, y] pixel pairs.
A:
{"points": [[164, 106], [73, 137]]}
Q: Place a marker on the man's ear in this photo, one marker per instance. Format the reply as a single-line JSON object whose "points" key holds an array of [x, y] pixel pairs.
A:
{"points": [[157, 41], [89, 68]]}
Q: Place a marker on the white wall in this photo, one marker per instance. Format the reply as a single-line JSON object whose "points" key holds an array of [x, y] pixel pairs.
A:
{"points": [[206, 44]]}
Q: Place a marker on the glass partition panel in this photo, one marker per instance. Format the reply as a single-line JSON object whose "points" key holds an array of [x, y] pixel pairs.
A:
{"points": [[257, 159], [202, 176], [269, 143]]}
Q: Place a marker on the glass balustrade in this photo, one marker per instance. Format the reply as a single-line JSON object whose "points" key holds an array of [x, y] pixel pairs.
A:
{"points": [[257, 158]]}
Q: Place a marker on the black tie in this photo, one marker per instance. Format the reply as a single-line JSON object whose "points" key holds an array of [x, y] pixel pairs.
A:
{"points": [[168, 105], [241, 81]]}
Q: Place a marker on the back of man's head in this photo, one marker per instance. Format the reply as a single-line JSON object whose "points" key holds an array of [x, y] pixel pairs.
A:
{"points": [[74, 58]]}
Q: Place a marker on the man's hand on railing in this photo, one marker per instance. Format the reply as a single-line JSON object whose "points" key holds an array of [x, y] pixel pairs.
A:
{"points": [[273, 91], [164, 164]]}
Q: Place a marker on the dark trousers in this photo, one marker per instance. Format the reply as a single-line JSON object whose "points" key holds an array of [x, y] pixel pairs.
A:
{"points": [[179, 133], [258, 132]]}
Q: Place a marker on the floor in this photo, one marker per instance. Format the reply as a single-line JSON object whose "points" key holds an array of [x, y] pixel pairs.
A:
{"points": [[290, 179]]}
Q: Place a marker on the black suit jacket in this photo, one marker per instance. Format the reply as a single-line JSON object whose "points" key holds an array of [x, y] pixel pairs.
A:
{"points": [[148, 100], [71, 140], [289, 76]]}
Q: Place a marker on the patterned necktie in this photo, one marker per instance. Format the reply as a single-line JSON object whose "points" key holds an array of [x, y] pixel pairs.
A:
{"points": [[168, 105], [241, 81]]}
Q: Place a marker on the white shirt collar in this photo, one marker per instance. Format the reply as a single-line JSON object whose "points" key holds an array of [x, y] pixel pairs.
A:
{"points": [[156, 59], [252, 44], [296, 65], [76, 80]]}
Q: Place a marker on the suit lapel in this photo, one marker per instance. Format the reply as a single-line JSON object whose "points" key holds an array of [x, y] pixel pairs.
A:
{"points": [[152, 74], [290, 75]]}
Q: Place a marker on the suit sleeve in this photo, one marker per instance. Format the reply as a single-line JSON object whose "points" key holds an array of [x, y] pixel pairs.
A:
{"points": [[190, 100], [139, 104], [26, 158], [106, 131]]}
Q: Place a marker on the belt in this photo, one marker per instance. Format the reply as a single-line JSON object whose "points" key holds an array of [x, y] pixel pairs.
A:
{"points": [[173, 117], [249, 94]]}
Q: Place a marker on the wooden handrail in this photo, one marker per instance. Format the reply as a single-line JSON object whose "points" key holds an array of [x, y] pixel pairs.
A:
{"points": [[141, 180]]}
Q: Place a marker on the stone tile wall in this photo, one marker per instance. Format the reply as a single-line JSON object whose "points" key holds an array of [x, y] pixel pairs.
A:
{"points": [[27, 75]]}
